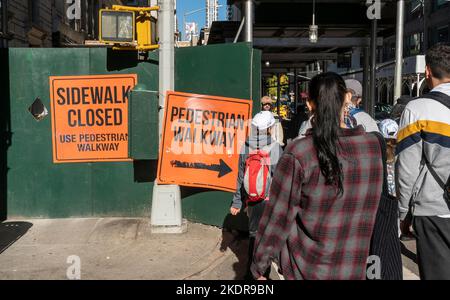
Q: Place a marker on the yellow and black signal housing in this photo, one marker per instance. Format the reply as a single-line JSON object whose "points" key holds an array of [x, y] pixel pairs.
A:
{"points": [[143, 28]]}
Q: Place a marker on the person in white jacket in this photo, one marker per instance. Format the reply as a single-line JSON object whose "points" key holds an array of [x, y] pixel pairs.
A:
{"points": [[423, 167], [277, 132]]}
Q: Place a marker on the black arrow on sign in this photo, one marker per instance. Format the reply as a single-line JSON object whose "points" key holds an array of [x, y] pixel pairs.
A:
{"points": [[222, 167]]}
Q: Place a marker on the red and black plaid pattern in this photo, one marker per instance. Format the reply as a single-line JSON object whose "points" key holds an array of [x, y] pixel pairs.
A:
{"points": [[306, 228]]}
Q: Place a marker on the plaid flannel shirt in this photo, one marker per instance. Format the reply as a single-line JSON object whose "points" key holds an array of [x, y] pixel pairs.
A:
{"points": [[306, 229]]}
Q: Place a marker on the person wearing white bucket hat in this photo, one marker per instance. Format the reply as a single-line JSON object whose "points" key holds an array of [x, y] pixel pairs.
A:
{"points": [[263, 120], [257, 162], [389, 130]]}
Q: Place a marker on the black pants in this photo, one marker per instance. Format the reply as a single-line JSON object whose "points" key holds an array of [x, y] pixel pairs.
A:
{"points": [[433, 247], [254, 213]]}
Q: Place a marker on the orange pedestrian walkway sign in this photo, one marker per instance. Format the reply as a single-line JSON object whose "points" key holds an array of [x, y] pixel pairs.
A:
{"points": [[90, 117], [202, 138]]}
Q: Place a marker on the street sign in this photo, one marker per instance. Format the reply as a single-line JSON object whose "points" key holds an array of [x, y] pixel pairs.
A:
{"points": [[201, 141], [90, 117]]}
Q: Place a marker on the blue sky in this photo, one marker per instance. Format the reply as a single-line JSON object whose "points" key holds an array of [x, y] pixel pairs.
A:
{"points": [[185, 6]]}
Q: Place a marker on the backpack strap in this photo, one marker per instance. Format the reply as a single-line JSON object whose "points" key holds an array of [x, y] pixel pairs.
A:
{"points": [[439, 97], [444, 99], [432, 171]]}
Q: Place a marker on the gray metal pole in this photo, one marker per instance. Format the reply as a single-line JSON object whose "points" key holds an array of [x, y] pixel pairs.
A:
{"points": [[278, 93], [166, 54], [373, 65], [418, 85], [366, 78], [399, 50], [425, 25], [249, 21], [166, 215]]}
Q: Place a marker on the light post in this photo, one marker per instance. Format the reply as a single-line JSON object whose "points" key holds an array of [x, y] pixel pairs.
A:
{"points": [[313, 29], [399, 50]]}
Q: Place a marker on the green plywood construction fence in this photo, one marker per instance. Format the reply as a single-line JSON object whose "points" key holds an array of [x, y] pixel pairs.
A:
{"points": [[38, 188]]}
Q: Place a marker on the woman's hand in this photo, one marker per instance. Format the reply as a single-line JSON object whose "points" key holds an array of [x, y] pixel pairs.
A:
{"points": [[234, 211]]}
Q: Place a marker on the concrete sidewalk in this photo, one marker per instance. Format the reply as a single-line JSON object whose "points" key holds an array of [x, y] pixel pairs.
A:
{"points": [[120, 248]]}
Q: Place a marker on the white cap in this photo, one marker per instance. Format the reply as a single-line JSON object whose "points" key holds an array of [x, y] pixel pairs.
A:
{"points": [[263, 120], [389, 128]]}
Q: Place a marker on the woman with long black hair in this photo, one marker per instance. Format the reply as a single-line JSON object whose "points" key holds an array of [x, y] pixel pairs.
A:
{"points": [[324, 195]]}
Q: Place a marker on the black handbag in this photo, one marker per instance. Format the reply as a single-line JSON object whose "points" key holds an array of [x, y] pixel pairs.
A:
{"points": [[385, 242]]}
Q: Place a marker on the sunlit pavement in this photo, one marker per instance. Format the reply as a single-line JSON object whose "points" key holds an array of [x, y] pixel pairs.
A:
{"points": [[122, 248]]}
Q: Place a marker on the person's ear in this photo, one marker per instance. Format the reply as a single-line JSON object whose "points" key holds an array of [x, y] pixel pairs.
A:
{"points": [[428, 73], [348, 97]]}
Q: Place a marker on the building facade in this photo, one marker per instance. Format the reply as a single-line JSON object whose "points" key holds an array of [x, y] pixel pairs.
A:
{"points": [[53, 23], [426, 23]]}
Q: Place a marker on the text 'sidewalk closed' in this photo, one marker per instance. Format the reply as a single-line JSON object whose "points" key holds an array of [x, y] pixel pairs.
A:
{"points": [[90, 117]]}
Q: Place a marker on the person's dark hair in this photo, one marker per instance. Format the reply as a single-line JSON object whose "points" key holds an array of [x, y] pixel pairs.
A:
{"points": [[327, 91], [438, 59]]}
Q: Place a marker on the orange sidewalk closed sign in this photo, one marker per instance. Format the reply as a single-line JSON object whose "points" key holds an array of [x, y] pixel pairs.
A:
{"points": [[90, 117], [202, 138]]}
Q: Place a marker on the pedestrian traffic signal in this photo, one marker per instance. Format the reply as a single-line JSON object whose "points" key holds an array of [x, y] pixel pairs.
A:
{"points": [[128, 28], [117, 26]]}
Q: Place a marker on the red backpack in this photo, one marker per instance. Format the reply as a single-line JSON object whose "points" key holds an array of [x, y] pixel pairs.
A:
{"points": [[257, 176]]}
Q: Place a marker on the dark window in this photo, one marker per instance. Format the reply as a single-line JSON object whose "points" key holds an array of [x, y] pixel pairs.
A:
{"points": [[442, 34], [141, 3], [438, 4], [389, 51], [1, 15], [414, 10], [439, 34], [33, 8], [344, 61], [413, 44]]}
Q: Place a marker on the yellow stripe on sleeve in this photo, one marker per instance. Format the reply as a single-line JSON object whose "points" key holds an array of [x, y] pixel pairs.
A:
{"points": [[424, 125]]}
